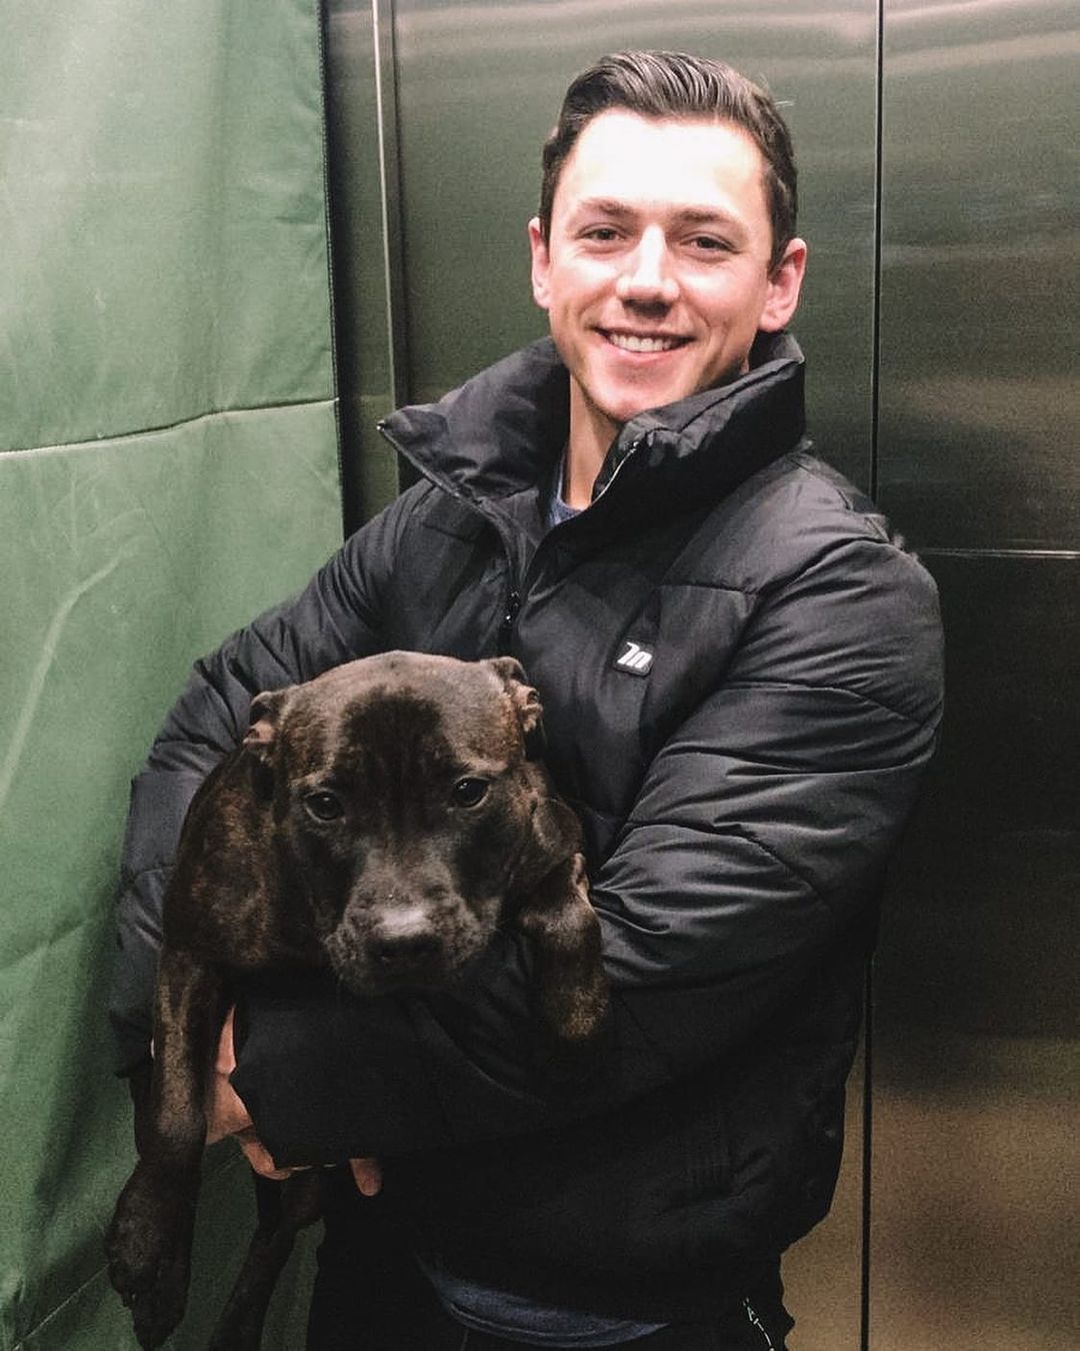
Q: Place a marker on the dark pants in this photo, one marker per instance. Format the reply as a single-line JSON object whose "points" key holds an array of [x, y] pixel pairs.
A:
{"points": [[370, 1295]]}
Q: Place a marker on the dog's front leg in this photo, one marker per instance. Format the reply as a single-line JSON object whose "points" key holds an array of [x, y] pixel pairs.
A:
{"points": [[149, 1240], [565, 932]]}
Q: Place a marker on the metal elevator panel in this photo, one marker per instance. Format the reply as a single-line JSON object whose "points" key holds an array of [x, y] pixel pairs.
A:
{"points": [[362, 171], [976, 1037], [980, 296]]}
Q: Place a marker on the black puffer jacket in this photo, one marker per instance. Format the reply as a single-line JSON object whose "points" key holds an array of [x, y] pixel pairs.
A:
{"points": [[740, 798]]}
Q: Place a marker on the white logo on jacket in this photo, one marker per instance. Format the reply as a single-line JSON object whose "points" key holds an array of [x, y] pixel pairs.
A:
{"points": [[634, 658]]}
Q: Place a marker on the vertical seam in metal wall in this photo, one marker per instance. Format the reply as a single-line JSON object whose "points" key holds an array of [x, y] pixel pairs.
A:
{"points": [[321, 20], [867, 1156], [865, 1272], [875, 344], [386, 113]]}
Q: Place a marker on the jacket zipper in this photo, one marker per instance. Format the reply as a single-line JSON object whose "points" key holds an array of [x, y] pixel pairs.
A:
{"points": [[506, 628], [756, 1322], [517, 589], [514, 599]]}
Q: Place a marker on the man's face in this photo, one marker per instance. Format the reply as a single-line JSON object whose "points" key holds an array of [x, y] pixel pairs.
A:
{"points": [[656, 275]]}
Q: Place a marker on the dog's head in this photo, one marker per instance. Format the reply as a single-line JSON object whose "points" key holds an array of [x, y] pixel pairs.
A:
{"points": [[410, 806]]}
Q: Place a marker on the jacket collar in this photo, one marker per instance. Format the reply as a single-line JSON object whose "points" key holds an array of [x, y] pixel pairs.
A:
{"points": [[502, 431]]}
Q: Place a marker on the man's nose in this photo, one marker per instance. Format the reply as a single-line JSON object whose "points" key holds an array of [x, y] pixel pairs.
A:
{"points": [[648, 277]]}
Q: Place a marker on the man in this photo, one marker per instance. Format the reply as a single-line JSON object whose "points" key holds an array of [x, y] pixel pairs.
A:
{"points": [[741, 675]]}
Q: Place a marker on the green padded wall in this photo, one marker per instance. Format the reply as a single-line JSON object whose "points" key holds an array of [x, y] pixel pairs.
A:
{"points": [[168, 466]]}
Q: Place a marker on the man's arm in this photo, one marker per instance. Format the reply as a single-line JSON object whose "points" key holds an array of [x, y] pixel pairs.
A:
{"points": [[755, 848]]}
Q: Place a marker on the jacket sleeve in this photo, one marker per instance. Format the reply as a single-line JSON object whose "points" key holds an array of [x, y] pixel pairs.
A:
{"points": [[756, 846], [335, 619], [762, 831]]}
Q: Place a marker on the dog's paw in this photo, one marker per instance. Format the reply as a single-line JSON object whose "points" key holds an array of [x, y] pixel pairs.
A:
{"points": [[148, 1247], [575, 1010], [571, 1040]]}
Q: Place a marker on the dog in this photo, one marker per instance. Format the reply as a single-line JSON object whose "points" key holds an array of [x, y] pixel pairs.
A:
{"points": [[380, 821]]}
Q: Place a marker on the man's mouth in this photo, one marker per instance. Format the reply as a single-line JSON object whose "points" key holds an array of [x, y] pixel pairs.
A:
{"points": [[637, 342]]}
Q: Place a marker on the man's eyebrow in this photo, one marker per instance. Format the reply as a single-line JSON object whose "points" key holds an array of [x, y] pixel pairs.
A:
{"points": [[602, 206], [683, 215], [706, 215]]}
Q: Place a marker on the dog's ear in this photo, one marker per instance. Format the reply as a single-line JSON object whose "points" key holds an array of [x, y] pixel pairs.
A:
{"points": [[554, 837], [265, 715], [526, 704]]}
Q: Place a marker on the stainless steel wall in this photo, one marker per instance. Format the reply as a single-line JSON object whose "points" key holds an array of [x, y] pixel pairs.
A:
{"points": [[974, 1238], [937, 318]]}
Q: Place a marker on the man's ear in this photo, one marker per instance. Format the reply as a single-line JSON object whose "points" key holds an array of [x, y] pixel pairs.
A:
{"points": [[785, 286], [526, 704], [541, 264]]}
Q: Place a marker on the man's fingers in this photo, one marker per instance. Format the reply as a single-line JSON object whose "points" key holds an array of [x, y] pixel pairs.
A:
{"points": [[366, 1172], [260, 1157], [367, 1175], [225, 1111], [226, 1053], [227, 1115]]}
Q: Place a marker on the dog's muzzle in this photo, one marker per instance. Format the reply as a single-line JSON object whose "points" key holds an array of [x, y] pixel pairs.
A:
{"points": [[400, 944]]}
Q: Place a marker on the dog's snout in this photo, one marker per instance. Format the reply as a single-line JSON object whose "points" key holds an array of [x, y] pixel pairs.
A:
{"points": [[402, 951], [407, 927], [406, 940]]}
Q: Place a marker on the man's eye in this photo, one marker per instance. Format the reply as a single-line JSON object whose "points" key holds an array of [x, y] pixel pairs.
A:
{"points": [[469, 792], [324, 806], [601, 234], [710, 244]]}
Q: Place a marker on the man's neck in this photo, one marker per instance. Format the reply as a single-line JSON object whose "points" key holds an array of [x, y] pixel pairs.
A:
{"points": [[591, 434]]}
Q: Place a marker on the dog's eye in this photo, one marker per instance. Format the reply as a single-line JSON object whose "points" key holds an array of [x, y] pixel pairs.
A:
{"points": [[324, 806], [470, 792]]}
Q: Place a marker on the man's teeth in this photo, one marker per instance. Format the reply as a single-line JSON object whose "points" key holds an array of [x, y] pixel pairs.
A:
{"points": [[630, 342]]}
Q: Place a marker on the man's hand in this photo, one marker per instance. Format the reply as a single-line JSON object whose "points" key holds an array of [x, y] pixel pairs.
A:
{"points": [[227, 1115]]}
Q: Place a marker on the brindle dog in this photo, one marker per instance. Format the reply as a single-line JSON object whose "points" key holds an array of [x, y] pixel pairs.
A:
{"points": [[381, 820]]}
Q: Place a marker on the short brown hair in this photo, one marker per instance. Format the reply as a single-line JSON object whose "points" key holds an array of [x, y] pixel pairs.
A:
{"points": [[672, 84]]}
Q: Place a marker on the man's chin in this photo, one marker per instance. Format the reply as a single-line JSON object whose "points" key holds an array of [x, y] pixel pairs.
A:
{"points": [[622, 401], [609, 405], [621, 410], [661, 395]]}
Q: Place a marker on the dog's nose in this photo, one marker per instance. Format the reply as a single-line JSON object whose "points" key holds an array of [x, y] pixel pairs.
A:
{"points": [[402, 951]]}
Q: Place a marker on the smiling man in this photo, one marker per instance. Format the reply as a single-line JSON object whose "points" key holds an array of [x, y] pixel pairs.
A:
{"points": [[740, 670], [657, 266]]}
